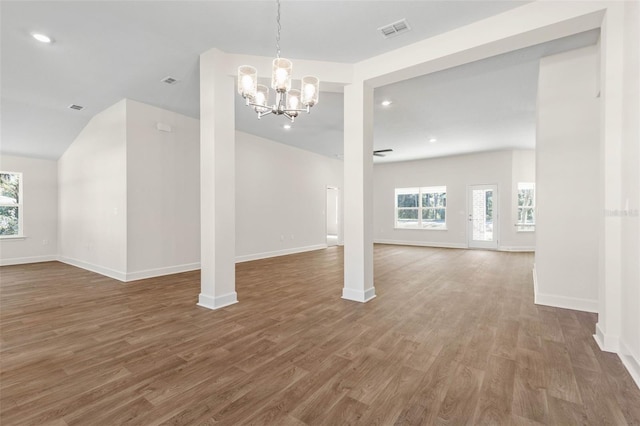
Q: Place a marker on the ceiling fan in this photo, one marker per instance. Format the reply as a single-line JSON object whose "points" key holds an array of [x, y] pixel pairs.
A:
{"points": [[380, 152]]}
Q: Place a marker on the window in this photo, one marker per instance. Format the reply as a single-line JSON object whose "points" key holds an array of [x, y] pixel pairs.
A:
{"points": [[421, 208], [526, 207], [10, 204]]}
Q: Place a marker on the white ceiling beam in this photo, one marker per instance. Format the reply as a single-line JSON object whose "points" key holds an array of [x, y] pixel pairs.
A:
{"points": [[525, 26]]}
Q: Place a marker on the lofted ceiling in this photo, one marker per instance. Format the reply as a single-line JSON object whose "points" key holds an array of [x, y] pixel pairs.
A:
{"points": [[104, 51]]}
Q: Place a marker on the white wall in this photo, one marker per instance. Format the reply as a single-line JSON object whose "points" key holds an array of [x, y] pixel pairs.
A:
{"points": [[129, 194], [92, 195], [163, 192], [630, 335], [569, 196], [40, 211], [280, 197], [503, 168]]}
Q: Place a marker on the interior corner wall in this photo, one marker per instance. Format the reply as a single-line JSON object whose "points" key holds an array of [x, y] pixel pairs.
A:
{"points": [[630, 331], [280, 197], [567, 181], [92, 198], [163, 192], [40, 211], [503, 168]]}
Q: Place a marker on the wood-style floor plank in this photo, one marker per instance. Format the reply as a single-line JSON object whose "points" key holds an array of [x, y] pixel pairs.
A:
{"points": [[452, 338]]}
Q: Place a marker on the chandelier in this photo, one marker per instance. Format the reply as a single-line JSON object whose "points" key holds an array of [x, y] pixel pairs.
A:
{"points": [[289, 102]]}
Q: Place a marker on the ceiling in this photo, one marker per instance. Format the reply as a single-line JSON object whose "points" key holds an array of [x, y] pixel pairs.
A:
{"points": [[104, 51]]}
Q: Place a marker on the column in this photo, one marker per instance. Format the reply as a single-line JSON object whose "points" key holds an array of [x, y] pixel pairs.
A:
{"points": [[609, 324], [358, 193], [217, 182]]}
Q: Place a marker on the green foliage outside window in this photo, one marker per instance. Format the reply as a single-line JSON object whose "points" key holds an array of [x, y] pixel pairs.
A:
{"points": [[9, 204]]}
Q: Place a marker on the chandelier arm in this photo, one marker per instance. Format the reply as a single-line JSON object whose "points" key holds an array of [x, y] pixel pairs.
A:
{"points": [[262, 114]]}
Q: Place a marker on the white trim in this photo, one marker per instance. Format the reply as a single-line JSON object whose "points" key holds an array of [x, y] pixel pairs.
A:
{"points": [[358, 295], [214, 303], [12, 237], [517, 248], [265, 255], [25, 260], [599, 337], [631, 361], [606, 342], [158, 272], [19, 206], [575, 303], [111, 273], [421, 244]]}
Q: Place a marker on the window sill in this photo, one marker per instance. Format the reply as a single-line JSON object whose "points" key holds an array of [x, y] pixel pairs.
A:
{"points": [[13, 237]]}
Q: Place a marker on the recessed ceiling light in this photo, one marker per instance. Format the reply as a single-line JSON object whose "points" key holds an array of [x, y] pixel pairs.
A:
{"points": [[41, 38], [287, 126], [433, 140], [386, 103]]}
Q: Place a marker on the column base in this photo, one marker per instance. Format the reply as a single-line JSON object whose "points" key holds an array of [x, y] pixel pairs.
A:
{"points": [[217, 302], [358, 295], [606, 342]]}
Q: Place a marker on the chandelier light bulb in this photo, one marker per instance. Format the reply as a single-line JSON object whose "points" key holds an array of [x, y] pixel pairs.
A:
{"points": [[310, 85], [281, 76], [281, 80], [247, 81], [309, 91], [262, 95], [293, 101]]}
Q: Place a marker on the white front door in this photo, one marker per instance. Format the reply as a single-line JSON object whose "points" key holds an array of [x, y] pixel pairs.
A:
{"points": [[482, 207]]}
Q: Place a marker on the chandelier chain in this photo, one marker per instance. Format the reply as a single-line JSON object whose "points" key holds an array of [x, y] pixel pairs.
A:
{"points": [[279, 28]]}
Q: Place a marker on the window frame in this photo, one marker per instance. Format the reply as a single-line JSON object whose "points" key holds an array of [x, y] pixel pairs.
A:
{"points": [[520, 226], [19, 206], [420, 191]]}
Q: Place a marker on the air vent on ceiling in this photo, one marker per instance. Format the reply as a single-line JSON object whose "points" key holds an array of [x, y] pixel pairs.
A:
{"points": [[169, 80], [76, 107], [394, 28]]}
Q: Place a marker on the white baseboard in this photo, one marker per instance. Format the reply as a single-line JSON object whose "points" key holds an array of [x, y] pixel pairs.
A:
{"points": [[25, 260], [556, 301], [362, 296], [265, 255], [517, 248], [158, 272], [111, 273], [606, 342], [422, 244], [218, 302], [575, 303], [631, 361]]}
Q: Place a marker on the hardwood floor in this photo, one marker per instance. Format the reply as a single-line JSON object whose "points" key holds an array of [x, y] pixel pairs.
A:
{"points": [[452, 338]]}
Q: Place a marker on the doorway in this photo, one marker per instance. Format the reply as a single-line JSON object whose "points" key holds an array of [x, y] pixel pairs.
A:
{"points": [[482, 207], [333, 218]]}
